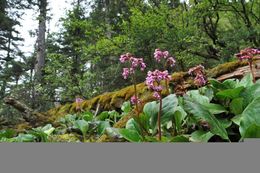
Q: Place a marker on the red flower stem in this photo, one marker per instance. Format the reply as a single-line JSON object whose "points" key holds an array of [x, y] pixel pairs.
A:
{"points": [[159, 119], [135, 90], [251, 69]]}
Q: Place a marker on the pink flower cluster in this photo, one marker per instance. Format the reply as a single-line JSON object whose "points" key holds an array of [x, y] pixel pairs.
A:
{"points": [[247, 53], [135, 63], [158, 55], [200, 78], [135, 100], [153, 80]]}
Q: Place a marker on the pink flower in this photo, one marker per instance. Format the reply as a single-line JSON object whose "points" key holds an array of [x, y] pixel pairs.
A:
{"points": [[125, 57], [157, 95], [165, 54], [135, 63], [200, 80], [125, 73], [158, 54], [171, 61], [78, 100], [153, 80], [135, 100]]}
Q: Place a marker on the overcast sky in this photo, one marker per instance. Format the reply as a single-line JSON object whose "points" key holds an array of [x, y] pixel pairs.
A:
{"points": [[29, 22]]}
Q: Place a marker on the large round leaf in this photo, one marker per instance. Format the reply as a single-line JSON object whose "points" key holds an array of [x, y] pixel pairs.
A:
{"points": [[251, 115], [130, 135], [201, 112], [151, 109]]}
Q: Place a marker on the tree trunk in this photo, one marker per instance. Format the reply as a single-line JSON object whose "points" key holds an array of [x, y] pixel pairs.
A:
{"points": [[41, 46]]}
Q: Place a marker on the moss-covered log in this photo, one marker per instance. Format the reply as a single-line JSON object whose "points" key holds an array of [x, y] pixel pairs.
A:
{"points": [[29, 115], [114, 100]]}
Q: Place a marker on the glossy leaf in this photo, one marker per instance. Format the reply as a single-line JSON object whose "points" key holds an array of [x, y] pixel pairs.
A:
{"points": [[215, 108], [250, 93], [251, 115], [246, 81], [201, 112], [230, 93], [236, 106], [201, 136], [130, 135], [180, 138], [101, 128], [169, 105], [126, 107], [133, 125], [83, 126], [253, 131], [151, 109]]}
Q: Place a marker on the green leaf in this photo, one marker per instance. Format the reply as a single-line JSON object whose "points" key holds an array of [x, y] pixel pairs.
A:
{"points": [[196, 96], [251, 115], [201, 112], [103, 116], [230, 83], [101, 128], [207, 91], [83, 126], [246, 81], [25, 138], [87, 116], [133, 125], [236, 106], [130, 135], [47, 129], [215, 108], [169, 105], [250, 93], [126, 107], [180, 138], [151, 109], [179, 116], [113, 132], [217, 85], [230, 93], [253, 131], [236, 119], [201, 136], [225, 122], [8, 133], [144, 120]]}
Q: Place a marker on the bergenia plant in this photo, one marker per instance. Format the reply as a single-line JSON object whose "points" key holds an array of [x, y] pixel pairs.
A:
{"points": [[153, 81], [248, 54], [169, 61], [199, 73], [133, 64]]}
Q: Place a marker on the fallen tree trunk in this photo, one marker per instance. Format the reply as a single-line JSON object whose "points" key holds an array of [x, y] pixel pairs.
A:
{"points": [[29, 115]]}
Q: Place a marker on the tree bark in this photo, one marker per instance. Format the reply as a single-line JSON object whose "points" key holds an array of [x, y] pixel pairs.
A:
{"points": [[29, 115], [41, 45]]}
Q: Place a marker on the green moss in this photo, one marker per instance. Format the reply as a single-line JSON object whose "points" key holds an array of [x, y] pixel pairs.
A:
{"points": [[64, 138], [224, 68]]}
